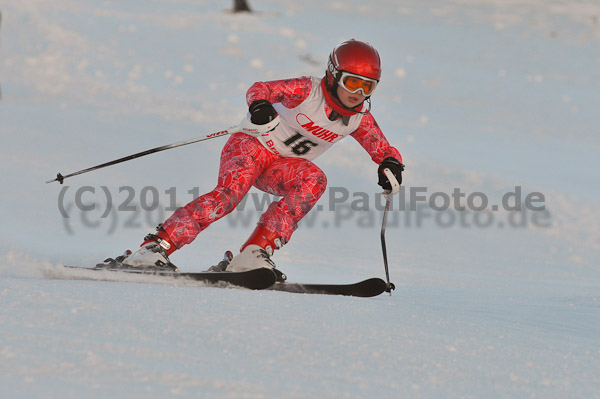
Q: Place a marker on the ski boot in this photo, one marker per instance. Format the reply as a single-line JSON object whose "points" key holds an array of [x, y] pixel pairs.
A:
{"points": [[151, 257], [257, 252]]}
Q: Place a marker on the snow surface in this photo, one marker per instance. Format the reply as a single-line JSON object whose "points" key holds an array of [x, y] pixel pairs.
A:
{"points": [[481, 95]]}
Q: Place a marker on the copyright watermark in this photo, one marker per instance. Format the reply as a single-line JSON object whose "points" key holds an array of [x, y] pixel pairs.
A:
{"points": [[89, 207]]}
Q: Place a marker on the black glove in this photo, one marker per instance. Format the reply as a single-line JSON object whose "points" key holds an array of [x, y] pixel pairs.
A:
{"points": [[261, 112], [395, 166]]}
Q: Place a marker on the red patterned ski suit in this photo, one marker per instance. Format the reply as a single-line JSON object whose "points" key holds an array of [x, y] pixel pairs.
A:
{"points": [[247, 161]]}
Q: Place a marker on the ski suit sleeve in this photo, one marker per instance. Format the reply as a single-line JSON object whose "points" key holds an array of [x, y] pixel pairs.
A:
{"points": [[289, 92], [371, 138]]}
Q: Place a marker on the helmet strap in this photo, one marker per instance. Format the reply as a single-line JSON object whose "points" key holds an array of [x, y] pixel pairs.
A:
{"points": [[368, 101]]}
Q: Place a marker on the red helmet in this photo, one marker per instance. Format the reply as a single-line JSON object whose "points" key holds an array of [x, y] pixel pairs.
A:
{"points": [[355, 57]]}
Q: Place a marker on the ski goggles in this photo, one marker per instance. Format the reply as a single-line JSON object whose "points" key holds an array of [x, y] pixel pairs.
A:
{"points": [[353, 83]]}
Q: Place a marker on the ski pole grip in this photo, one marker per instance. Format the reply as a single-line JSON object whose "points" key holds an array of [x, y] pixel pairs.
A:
{"points": [[393, 182]]}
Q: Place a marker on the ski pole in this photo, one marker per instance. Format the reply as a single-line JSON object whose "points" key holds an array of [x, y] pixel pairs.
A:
{"points": [[388, 199], [60, 178]]}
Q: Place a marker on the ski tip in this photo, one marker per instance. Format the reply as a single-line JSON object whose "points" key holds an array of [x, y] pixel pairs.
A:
{"points": [[374, 286]]}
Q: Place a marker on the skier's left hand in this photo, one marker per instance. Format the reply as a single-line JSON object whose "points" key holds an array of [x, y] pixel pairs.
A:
{"points": [[395, 166]]}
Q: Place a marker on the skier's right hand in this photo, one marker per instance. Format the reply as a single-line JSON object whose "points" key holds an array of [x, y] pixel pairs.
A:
{"points": [[262, 119], [262, 112]]}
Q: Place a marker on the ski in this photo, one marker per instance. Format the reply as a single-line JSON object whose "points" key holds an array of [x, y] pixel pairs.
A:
{"points": [[364, 289], [256, 279]]}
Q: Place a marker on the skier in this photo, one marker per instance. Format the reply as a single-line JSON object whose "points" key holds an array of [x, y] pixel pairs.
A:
{"points": [[290, 123]]}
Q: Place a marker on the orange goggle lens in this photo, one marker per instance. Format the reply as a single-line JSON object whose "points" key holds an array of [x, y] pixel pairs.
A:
{"points": [[354, 83]]}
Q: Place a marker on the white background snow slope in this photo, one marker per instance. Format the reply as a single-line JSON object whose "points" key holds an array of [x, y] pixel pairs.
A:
{"points": [[480, 95]]}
